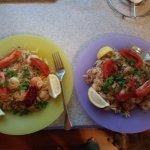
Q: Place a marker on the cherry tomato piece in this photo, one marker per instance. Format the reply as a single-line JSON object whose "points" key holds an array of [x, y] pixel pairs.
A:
{"points": [[41, 65], [131, 55], [124, 96], [108, 68], [143, 90], [132, 84], [9, 59]]}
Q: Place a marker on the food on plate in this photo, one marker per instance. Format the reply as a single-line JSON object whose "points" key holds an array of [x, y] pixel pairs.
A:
{"points": [[104, 51], [54, 88], [96, 98], [2, 113], [25, 82], [122, 79]]}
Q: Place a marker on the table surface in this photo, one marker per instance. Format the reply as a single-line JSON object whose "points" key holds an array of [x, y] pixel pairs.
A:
{"points": [[71, 24]]}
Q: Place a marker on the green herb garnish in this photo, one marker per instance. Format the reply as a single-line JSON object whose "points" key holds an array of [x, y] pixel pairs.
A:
{"points": [[10, 73], [138, 72], [25, 73], [41, 105], [107, 84], [24, 85], [131, 63], [21, 113], [120, 80], [24, 112]]}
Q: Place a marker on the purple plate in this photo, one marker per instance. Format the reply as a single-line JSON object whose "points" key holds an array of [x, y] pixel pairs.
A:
{"points": [[139, 120]]}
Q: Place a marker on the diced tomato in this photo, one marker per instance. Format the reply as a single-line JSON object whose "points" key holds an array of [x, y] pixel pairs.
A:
{"points": [[41, 65], [2, 76], [131, 55], [31, 96], [132, 83], [108, 68], [143, 90], [124, 96], [9, 59], [3, 92]]}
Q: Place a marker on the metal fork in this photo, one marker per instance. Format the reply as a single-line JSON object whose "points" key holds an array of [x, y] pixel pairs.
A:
{"points": [[60, 72]]}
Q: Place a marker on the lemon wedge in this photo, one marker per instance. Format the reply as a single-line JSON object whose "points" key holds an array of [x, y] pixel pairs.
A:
{"points": [[1, 113], [103, 51], [54, 85], [96, 99]]}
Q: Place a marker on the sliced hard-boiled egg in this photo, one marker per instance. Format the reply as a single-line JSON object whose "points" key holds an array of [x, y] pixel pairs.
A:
{"points": [[96, 99]]}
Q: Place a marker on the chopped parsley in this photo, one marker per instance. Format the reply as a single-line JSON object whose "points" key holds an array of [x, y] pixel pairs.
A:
{"points": [[41, 105], [25, 73], [120, 80], [10, 73], [24, 85], [138, 72], [107, 84], [131, 63], [21, 113]]}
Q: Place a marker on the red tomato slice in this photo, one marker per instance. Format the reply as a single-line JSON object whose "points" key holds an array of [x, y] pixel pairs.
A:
{"points": [[132, 83], [41, 65], [2, 76], [143, 90], [11, 58], [3, 92], [108, 68], [124, 96], [131, 55]]}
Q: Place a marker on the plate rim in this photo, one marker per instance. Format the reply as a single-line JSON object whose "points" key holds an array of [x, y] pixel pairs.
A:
{"points": [[49, 41], [90, 46]]}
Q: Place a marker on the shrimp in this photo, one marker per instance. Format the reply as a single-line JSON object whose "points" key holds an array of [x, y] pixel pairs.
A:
{"points": [[37, 82], [128, 69], [31, 56], [11, 58], [44, 95], [13, 83], [19, 95]]}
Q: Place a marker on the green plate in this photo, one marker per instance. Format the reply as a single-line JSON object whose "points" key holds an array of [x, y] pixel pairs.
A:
{"points": [[19, 125]]}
